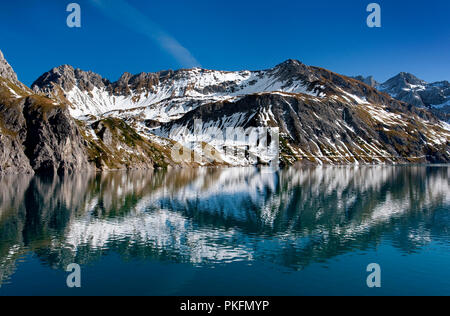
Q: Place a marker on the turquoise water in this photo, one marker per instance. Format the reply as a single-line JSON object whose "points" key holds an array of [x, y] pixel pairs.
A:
{"points": [[299, 231]]}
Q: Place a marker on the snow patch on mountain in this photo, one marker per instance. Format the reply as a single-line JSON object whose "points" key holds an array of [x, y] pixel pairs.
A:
{"points": [[190, 88]]}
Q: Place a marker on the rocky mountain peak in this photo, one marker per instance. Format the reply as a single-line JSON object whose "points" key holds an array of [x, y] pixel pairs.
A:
{"points": [[405, 78], [290, 63], [6, 71], [67, 77], [294, 69], [410, 89]]}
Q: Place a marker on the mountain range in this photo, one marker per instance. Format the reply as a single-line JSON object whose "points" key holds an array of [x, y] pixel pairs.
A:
{"points": [[70, 119], [408, 88]]}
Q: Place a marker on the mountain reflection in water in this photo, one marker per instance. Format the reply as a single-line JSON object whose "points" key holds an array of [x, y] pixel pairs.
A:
{"points": [[209, 217]]}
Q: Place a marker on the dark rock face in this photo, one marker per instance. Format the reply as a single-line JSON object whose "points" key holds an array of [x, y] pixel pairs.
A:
{"points": [[13, 125], [39, 138], [12, 135], [36, 133], [294, 70], [344, 133], [434, 95], [53, 143]]}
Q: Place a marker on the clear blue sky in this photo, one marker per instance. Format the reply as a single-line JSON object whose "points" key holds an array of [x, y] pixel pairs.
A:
{"points": [[151, 35]]}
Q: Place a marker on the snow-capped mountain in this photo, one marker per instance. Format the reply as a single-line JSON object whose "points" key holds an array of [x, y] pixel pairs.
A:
{"points": [[38, 134], [410, 89], [167, 95], [322, 117]]}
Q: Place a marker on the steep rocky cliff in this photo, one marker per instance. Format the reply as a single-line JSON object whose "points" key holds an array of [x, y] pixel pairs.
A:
{"points": [[53, 143], [13, 132], [38, 134]]}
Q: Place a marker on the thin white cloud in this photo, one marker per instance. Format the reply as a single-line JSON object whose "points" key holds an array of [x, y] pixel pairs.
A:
{"points": [[123, 12]]}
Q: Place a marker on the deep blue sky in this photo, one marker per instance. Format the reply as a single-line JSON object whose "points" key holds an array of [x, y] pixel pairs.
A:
{"points": [[227, 35]]}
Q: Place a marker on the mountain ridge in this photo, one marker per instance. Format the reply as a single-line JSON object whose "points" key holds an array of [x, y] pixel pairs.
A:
{"points": [[145, 89], [408, 88], [136, 122], [38, 134]]}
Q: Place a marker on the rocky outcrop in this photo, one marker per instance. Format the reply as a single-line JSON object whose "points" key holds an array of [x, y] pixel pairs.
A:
{"points": [[53, 143], [67, 77], [417, 92], [37, 134], [13, 127], [12, 136]]}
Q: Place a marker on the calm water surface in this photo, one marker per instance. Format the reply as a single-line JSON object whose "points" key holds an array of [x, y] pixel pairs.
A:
{"points": [[228, 232]]}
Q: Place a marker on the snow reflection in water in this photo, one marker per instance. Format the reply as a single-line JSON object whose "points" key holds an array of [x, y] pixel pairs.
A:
{"points": [[217, 216]]}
